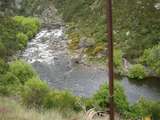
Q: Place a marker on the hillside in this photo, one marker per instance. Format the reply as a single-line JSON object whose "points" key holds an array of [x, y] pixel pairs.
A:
{"points": [[53, 57], [135, 25]]}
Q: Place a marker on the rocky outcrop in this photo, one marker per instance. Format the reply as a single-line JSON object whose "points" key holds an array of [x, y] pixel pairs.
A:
{"points": [[86, 42], [43, 9]]}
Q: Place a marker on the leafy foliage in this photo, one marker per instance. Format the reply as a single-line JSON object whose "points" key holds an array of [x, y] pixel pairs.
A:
{"points": [[3, 67], [61, 100], [118, 61], [34, 92], [137, 71], [135, 111], [136, 22], [22, 38], [37, 94], [15, 32], [144, 108], [9, 84], [151, 58], [102, 96], [3, 50], [8, 41], [29, 25], [22, 70], [13, 76]]}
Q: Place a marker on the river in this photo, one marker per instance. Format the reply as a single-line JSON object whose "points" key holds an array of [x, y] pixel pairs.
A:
{"points": [[49, 55]]}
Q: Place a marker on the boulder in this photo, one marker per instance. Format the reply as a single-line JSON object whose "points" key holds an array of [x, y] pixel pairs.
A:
{"points": [[86, 42]]}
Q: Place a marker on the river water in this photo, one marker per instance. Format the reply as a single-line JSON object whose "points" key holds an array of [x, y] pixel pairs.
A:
{"points": [[48, 54]]}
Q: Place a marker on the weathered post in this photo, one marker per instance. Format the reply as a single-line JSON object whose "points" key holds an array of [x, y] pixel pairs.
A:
{"points": [[110, 57]]}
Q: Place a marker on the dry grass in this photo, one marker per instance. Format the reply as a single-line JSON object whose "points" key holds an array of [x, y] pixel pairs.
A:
{"points": [[11, 110]]}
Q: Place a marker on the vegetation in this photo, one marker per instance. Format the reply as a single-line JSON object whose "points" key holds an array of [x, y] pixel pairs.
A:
{"points": [[18, 79], [118, 61], [135, 111], [22, 38], [36, 96], [94, 11], [34, 92], [21, 80], [30, 25], [16, 74], [14, 35], [100, 99], [22, 70], [140, 30], [144, 108], [151, 58], [11, 110], [15, 32], [137, 37], [137, 71]]}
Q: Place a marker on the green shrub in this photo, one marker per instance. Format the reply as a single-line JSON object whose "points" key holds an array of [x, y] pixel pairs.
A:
{"points": [[15, 32], [155, 111], [88, 103], [137, 71], [30, 25], [144, 108], [135, 111], [9, 84], [61, 100], [8, 31], [22, 70], [151, 58], [22, 38], [100, 99], [2, 50], [3, 66], [34, 93], [118, 61]]}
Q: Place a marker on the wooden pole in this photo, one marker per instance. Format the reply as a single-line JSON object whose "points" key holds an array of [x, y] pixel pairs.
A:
{"points": [[110, 58]]}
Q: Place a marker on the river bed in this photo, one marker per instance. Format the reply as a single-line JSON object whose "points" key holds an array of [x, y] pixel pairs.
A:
{"points": [[49, 55]]}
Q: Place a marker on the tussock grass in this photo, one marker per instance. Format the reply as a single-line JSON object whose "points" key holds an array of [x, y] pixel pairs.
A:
{"points": [[11, 110]]}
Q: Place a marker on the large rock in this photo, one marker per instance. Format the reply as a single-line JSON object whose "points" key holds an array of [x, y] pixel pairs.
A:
{"points": [[86, 42]]}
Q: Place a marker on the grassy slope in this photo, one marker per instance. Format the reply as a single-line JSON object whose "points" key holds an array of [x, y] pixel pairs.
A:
{"points": [[11, 110]]}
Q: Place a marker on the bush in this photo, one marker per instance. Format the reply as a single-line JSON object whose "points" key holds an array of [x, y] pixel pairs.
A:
{"points": [[61, 100], [144, 108], [34, 93], [100, 99], [22, 70], [118, 61], [15, 32], [155, 111], [135, 111], [22, 38], [137, 71], [8, 31], [9, 84], [30, 25], [2, 50], [151, 58], [3, 66]]}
